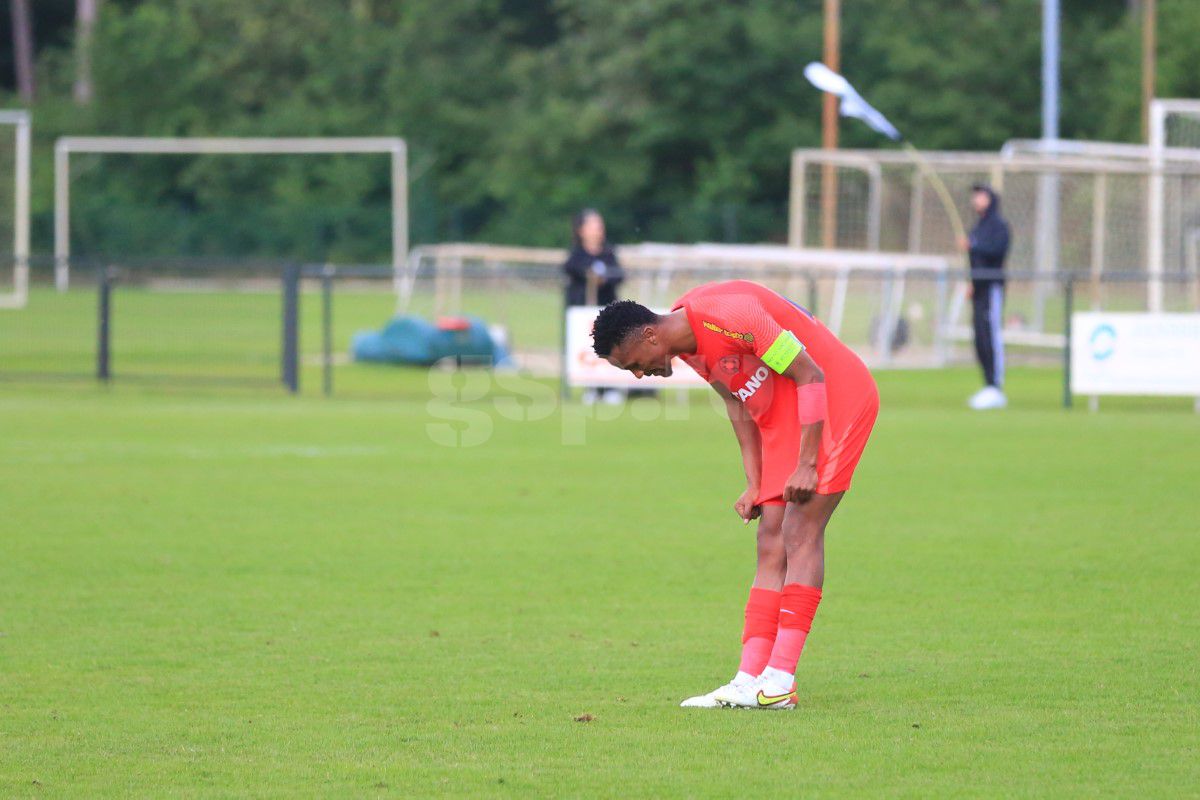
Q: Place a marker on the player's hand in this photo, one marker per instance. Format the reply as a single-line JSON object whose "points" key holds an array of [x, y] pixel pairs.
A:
{"points": [[801, 486], [964, 243], [745, 507]]}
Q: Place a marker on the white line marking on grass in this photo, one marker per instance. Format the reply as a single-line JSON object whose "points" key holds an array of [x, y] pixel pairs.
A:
{"points": [[81, 452]]}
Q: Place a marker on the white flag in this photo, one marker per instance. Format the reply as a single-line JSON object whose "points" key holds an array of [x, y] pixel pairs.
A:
{"points": [[852, 104]]}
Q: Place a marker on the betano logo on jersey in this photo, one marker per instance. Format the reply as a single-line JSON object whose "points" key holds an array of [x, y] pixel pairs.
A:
{"points": [[753, 383], [745, 337]]}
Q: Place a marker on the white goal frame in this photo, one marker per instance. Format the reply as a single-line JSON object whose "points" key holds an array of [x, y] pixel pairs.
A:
{"points": [[67, 145], [1156, 203], [19, 296]]}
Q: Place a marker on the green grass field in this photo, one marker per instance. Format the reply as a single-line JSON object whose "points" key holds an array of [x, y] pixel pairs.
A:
{"points": [[220, 593]]}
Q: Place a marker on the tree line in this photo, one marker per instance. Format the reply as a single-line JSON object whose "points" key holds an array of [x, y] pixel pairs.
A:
{"points": [[673, 117]]}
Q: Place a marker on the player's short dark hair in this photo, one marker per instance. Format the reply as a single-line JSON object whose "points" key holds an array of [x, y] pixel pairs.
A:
{"points": [[616, 321]]}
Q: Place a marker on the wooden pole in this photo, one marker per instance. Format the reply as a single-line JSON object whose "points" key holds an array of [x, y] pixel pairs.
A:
{"points": [[22, 32], [1149, 61], [829, 125], [85, 27]]}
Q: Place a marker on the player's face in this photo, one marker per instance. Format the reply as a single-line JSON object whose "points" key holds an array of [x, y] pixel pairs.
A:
{"points": [[642, 354]]}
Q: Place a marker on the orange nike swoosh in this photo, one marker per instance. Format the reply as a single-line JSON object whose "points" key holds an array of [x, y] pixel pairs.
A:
{"points": [[763, 700]]}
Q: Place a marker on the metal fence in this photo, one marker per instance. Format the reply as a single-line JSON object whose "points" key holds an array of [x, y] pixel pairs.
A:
{"points": [[184, 323], [276, 325]]}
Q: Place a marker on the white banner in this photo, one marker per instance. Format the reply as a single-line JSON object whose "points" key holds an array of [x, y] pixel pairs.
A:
{"points": [[585, 368], [1146, 354]]}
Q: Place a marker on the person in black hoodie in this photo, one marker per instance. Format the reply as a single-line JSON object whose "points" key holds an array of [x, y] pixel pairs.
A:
{"points": [[592, 264], [593, 275], [988, 246]]}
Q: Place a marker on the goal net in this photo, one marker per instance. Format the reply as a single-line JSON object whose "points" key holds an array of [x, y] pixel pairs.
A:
{"points": [[890, 307], [1084, 211]]}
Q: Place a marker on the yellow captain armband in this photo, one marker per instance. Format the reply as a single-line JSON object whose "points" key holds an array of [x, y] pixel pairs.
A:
{"points": [[782, 351]]}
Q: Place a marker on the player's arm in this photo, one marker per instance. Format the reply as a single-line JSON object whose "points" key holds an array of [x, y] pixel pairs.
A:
{"points": [[750, 444], [779, 349], [786, 355]]}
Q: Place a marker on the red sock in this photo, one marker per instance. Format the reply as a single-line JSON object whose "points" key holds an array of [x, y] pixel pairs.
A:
{"points": [[762, 622], [797, 606]]}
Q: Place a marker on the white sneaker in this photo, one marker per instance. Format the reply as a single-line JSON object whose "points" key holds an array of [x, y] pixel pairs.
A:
{"points": [[765, 693], [614, 397], [742, 679], [774, 695], [987, 398]]}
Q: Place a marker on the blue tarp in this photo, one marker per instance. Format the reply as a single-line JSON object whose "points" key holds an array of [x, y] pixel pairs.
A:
{"points": [[413, 340]]}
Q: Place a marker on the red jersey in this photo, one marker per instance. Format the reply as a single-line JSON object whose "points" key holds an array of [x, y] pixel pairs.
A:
{"points": [[747, 335]]}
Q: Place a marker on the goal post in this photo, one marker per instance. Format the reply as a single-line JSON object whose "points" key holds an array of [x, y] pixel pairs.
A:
{"points": [[21, 122], [1174, 135], [65, 146]]}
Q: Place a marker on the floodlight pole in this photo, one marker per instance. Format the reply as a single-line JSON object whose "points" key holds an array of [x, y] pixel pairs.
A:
{"points": [[1149, 61], [1050, 19], [1046, 243]]}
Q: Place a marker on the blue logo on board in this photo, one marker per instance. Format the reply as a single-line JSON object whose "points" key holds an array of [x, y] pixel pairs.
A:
{"points": [[1103, 341]]}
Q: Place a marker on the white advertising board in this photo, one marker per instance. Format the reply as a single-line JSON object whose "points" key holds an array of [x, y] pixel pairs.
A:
{"points": [[586, 369], [1135, 354]]}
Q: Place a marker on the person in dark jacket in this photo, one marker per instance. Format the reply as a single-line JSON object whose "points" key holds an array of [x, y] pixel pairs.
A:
{"points": [[593, 275], [591, 267], [988, 246]]}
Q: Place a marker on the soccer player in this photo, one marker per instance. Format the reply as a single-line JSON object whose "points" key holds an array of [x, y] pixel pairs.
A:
{"points": [[802, 406]]}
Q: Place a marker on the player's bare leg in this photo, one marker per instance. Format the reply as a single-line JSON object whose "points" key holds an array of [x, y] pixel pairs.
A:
{"points": [[804, 542], [804, 538], [771, 565], [762, 613]]}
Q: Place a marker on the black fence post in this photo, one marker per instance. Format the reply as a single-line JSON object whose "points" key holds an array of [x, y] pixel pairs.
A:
{"points": [[327, 328], [104, 326], [290, 368], [1068, 308]]}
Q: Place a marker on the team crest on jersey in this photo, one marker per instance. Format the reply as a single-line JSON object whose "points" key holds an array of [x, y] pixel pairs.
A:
{"points": [[731, 364], [745, 337]]}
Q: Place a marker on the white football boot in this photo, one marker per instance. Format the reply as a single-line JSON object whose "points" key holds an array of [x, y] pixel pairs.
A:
{"points": [[742, 679], [769, 692], [775, 691]]}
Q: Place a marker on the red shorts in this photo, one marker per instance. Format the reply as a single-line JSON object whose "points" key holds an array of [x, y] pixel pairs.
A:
{"points": [[843, 439]]}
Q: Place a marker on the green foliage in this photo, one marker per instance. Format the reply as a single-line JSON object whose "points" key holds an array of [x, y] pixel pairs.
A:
{"points": [[675, 117]]}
